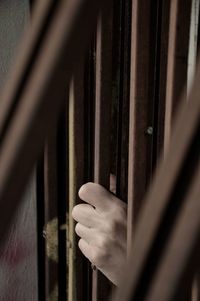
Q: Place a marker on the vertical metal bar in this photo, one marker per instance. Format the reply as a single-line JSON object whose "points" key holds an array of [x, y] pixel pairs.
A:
{"points": [[121, 92], [51, 217], [78, 285], [162, 65], [74, 135], [62, 204], [72, 195], [140, 130], [101, 286], [180, 12]]}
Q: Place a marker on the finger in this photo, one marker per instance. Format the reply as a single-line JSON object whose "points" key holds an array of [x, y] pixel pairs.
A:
{"points": [[86, 215], [88, 234], [97, 196], [85, 248], [94, 254]]}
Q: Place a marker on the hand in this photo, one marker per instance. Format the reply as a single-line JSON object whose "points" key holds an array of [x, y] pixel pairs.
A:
{"points": [[102, 224]]}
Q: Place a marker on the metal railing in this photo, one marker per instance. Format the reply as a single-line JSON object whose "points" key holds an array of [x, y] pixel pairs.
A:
{"points": [[97, 84]]}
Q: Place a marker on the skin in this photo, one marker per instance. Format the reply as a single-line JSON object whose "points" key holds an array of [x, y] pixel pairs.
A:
{"points": [[101, 226]]}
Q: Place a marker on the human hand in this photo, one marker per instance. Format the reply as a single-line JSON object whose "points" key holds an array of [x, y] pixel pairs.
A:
{"points": [[101, 226]]}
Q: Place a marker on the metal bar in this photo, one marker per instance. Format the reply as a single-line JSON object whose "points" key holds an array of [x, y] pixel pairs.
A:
{"points": [[37, 111], [51, 217], [181, 255], [62, 204], [121, 92], [161, 75], [78, 266], [177, 65], [100, 285], [140, 112], [151, 234]]}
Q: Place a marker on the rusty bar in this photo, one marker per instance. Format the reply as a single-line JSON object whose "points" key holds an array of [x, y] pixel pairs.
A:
{"points": [[140, 112], [177, 64], [37, 111], [51, 217], [100, 285], [169, 175]]}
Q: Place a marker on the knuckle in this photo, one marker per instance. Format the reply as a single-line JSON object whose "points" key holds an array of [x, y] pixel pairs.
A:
{"points": [[103, 243], [98, 258], [120, 214], [115, 227]]}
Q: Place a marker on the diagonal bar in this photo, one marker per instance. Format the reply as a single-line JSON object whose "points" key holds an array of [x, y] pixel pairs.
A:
{"points": [[161, 202], [33, 40], [182, 252], [42, 96]]}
